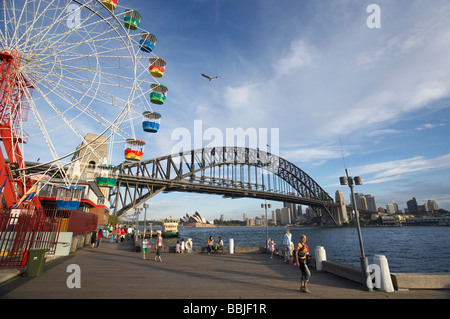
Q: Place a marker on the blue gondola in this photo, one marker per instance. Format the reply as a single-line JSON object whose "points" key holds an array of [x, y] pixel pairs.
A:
{"points": [[151, 122], [147, 42]]}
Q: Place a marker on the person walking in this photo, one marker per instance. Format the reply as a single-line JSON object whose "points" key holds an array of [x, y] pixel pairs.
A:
{"points": [[287, 245], [301, 256], [100, 236], [158, 245], [93, 238], [145, 246], [271, 247]]}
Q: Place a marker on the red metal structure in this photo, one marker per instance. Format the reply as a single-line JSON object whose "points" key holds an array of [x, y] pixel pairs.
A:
{"points": [[14, 91], [26, 226]]}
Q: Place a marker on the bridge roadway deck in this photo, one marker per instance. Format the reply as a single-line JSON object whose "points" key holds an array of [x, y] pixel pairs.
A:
{"points": [[116, 271]]}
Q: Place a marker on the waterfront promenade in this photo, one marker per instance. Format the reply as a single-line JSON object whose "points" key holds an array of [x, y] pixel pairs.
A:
{"points": [[117, 272]]}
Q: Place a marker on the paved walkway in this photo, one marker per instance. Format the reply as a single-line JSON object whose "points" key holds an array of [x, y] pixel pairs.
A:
{"points": [[115, 271]]}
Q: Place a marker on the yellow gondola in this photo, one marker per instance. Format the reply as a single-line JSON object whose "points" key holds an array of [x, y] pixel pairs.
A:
{"points": [[110, 4], [157, 67]]}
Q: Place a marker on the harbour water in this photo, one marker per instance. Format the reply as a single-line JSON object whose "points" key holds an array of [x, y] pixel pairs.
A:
{"points": [[415, 249]]}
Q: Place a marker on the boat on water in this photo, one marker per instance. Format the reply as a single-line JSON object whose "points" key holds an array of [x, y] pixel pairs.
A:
{"points": [[170, 228]]}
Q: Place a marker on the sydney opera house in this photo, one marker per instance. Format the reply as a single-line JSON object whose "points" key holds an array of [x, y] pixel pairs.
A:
{"points": [[195, 221]]}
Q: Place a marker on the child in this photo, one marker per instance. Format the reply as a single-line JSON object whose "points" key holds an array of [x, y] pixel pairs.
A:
{"points": [[145, 246], [182, 246], [271, 247], [177, 247]]}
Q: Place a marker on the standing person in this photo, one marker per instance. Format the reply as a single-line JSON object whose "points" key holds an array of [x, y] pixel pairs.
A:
{"points": [[211, 244], [118, 231], [183, 246], [122, 234], [100, 235], [93, 238], [271, 247], [189, 245], [158, 245], [145, 246], [287, 245], [301, 255]]}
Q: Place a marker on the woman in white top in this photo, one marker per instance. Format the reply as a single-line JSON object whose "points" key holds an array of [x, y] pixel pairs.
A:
{"points": [[158, 245]]}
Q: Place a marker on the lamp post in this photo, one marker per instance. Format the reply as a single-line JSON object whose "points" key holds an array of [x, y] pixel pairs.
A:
{"points": [[145, 216], [136, 213], [267, 223], [344, 180]]}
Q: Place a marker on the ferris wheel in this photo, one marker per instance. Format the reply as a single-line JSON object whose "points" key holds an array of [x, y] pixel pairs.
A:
{"points": [[69, 68]]}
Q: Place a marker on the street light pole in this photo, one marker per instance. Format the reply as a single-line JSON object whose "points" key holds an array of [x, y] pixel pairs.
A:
{"points": [[145, 217], [363, 259], [267, 224]]}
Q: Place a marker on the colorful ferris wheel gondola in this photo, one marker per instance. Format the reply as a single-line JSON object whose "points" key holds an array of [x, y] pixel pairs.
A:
{"points": [[107, 175], [147, 42], [158, 93], [134, 149], [132, 19], [110, 4], [150, 121], [157, 67], [68, 197]]}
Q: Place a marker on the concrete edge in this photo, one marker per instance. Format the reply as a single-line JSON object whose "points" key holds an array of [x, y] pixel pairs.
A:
{"points": [[403, 281]]}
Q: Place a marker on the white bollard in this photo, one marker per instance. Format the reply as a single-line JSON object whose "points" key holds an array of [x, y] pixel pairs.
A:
{"points": [[231, 246], [320, 256], [385, 281]]}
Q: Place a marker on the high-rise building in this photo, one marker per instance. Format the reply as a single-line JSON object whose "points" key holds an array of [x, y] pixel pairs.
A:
{"points": [[285, 214], [366, 202], [390, 208], [412, 205], [342, 209], [432, 205], [292, 210]]}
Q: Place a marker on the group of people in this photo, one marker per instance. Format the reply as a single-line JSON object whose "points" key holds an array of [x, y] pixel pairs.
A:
{"points": [[110, 232], [300, 257], [213, 248], [159, 244], [182, 247]]}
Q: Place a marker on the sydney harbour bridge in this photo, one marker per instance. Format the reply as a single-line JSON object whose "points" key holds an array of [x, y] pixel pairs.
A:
{"points": [[233, 172]]}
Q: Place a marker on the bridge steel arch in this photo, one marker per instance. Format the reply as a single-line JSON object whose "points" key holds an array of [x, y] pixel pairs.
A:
{"points": [[232, 172]]}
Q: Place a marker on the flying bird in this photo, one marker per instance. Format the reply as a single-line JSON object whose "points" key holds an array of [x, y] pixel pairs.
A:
{"points": [[209, 77]]}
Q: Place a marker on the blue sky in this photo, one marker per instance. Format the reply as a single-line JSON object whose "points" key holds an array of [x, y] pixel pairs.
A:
{"points": [[316, 71]]}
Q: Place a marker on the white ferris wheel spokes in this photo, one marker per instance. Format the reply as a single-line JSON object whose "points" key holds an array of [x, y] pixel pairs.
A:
{"points": [[78, 68]]}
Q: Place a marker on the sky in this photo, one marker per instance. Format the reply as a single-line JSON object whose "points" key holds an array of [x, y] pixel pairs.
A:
{"points": [[343, 95], [346, 87]]}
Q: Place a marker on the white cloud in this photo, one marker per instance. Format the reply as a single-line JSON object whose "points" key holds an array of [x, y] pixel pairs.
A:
{"points": [[392, 170], [309, 155], [300, 54]]}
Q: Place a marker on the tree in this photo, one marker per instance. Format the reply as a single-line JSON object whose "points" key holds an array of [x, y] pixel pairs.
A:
{"points": [[113, 219]]}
